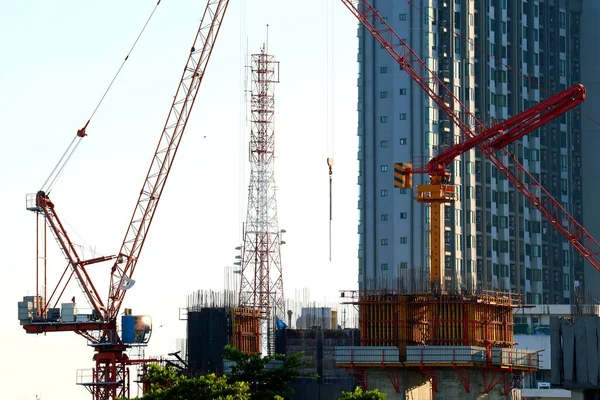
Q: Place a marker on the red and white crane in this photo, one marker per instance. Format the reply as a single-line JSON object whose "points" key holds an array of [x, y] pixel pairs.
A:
{"points": [[110, 376], [490, 141]]}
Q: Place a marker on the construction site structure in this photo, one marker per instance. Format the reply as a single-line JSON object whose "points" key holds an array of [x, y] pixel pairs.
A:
{"points": [[215, 320], [261, 285], [446, 327], [110, 377]]}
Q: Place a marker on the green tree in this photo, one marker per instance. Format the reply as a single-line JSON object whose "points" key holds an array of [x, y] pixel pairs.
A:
{"points": [[167, 384], [268, 376], [359, 394]]}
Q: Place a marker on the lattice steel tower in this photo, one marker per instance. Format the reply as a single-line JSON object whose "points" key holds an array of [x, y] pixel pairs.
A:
{"points": [[262, 283]]}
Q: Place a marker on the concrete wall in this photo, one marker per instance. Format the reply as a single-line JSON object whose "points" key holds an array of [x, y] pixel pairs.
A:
{"points": [[536, 342]]}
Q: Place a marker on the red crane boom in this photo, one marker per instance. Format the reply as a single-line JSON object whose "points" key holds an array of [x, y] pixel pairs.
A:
{"points": [[504, 161], [162, 161]]}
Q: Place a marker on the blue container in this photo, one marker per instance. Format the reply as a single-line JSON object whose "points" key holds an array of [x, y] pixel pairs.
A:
{"points": [[127, 325]]}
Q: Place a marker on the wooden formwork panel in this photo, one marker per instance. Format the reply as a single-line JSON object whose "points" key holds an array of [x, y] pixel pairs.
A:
{"points": [[442, 320], [246, 330]]}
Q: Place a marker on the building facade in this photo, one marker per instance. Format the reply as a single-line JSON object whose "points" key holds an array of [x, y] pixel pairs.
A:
{"points": [[499, 57]]}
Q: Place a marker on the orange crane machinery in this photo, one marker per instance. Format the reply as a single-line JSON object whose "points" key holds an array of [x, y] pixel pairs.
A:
{"points": [[110, 377], [489, 140]]}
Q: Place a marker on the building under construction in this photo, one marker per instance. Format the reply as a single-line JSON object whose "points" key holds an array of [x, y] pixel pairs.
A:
{"points": [[413, 343], [214, 321]]}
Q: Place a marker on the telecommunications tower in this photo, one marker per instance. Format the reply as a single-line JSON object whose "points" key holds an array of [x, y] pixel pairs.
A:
{"points": [[262, 283]]}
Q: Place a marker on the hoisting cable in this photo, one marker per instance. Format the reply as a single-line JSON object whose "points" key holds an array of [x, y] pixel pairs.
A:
{"points": [[329, 123], [58, 169], [330, 164]]}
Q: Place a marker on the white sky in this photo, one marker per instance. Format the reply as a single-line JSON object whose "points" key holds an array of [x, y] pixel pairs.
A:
{"points": [[58, 58]]}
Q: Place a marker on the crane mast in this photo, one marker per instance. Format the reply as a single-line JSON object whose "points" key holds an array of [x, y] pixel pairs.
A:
{"points": [[110, 376], [506, 163]]}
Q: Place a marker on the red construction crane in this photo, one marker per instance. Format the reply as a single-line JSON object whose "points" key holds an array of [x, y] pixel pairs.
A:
{"points": [[110, 376], [503, 160], [439, 191]]}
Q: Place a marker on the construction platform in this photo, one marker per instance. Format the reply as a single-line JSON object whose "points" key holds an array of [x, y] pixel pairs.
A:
{"points": [[440, 339]]}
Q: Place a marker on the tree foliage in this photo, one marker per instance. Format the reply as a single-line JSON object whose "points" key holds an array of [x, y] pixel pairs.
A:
{"points": [[268, 376], [167, 384], [252, 377], [359, 394]]}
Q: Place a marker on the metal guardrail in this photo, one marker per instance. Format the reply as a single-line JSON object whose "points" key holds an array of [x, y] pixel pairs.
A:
{"points": [[367, 354], [438, 355]]}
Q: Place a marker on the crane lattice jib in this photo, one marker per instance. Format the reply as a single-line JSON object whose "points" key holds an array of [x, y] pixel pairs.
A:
{"points": [[165, 153], [533, 191]]}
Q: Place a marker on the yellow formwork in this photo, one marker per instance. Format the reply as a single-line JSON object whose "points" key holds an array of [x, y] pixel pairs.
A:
{"points": [[442, 320]]}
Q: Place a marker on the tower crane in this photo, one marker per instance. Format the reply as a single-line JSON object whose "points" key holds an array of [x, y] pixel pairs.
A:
{"points": [[439, 191], [110, 375], [490, 142]]}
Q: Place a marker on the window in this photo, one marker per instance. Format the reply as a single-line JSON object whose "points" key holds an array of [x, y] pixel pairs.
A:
{"points": [[383, 119], [562, 64], [536, 34], [471, 19], [456, 44], [403, 215], [563, 163], [383, 70], [404, 264], [503, 27], [562, 19], [384, 168], [563, 44], [403, 92], [403, 240], [534, 155], [402, 17], [402, 116], [383, 143], [384, 193], [563, 186], [403, 141], [383, 95], [536, 10], [566, 282], [384, 217], [384, 242], [384, 267]]}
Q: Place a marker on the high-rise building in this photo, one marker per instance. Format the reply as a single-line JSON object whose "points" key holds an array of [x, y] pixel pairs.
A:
{"points": [[499, 57]]}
